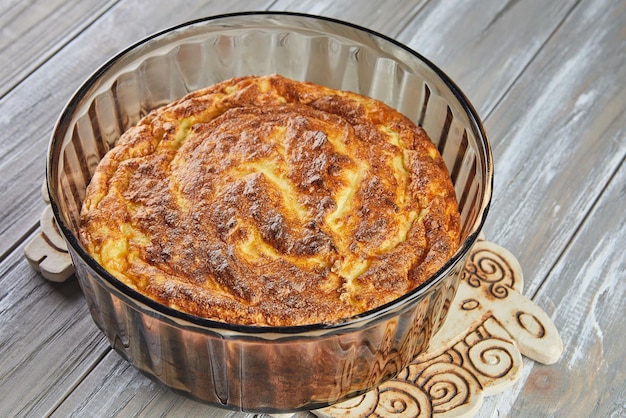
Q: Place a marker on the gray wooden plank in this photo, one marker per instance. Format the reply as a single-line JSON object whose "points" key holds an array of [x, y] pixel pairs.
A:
{"points": [[47, 342], [558, 136], [40, 27], [115, 388], [388, 17], [586, 295], [561, 138], [484, 45]]}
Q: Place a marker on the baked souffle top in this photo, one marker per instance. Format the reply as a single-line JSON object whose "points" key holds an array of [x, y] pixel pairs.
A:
{"points": [[268, 201]]}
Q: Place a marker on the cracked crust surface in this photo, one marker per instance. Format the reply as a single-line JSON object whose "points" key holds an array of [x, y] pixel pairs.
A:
{"points": [[267, 201]]}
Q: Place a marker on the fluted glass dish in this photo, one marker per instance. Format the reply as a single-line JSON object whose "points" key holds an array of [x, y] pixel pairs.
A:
{"points": [[248, 368]]}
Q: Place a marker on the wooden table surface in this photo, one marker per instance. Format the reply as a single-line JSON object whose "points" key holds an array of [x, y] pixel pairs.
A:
{"points": [[548, 79]]}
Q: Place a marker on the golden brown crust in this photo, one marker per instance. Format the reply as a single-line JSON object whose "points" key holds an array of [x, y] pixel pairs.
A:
{"points": [[266, 201]]}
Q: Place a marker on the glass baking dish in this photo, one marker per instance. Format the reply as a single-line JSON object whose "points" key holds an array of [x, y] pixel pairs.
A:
{"points": [[248, 368]]}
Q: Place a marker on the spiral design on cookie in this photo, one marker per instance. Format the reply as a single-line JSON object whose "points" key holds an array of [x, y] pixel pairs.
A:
{"points": [[492, 357], [262, 200], [402, 400], [488, 268], [449, 386]]}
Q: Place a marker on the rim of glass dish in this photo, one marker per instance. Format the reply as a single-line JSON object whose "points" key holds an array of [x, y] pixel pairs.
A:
{"points": [[252, 330]]}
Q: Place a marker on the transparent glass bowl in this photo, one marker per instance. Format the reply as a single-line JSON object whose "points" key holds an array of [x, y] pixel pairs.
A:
{"points": [[270, 369]]}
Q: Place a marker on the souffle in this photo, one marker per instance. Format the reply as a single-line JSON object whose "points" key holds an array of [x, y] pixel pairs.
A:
{"points": [[272, 202]]}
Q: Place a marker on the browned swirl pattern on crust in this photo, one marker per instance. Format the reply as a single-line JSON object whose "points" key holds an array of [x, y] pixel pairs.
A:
{"points": [[262, 200]]}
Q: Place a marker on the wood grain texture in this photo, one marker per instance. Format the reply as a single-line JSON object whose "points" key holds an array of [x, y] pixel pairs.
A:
{"points": [[47, 339], [41, 28], [389, 17], [484, 46], [563, 139], [115, 388], [558, 137]]}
